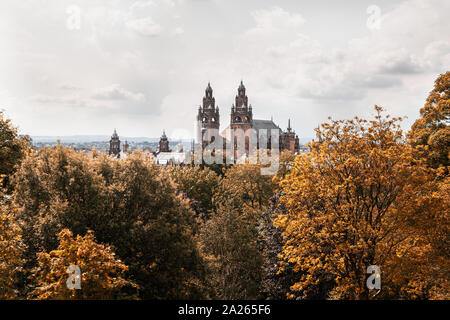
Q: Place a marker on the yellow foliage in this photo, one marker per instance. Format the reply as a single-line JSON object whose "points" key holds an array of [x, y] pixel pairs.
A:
{"points": [[10, 251], [101, 272], [357, 199]]}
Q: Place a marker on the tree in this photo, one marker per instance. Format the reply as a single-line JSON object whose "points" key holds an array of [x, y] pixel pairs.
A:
{"points": [[420, 268], [54, 189], [101, 272], [130, 203], [430, 133], [243, 185], [154, 229], [286, 160], [11, 247], [352, 202], [229, 241], [276, 281], [198, 185], [12, 148]]}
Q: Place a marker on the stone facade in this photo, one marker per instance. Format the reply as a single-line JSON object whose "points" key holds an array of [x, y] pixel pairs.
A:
{"points": [[114, 144], [241, 117]]}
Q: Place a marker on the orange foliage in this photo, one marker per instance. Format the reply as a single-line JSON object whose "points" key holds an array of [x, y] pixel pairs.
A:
{"points": [[101, 271], [357, 199]]}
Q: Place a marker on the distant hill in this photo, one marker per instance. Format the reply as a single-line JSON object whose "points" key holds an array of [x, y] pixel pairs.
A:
{"points": [[100, 138], [88, 138], [304, 140]]}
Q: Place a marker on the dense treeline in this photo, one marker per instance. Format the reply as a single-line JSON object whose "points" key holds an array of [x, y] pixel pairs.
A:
{"points": [[366, 194]]}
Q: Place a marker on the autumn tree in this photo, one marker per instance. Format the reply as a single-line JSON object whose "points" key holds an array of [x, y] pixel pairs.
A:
{"points": [[285, 164], [157, 229], [54, 189], [229, 241], [276, 282], [12, 148], [130, 203], [430, 134], [197, 184], [101, 272], [352, 202], [420, 267], [244, 185], [11, 247]]}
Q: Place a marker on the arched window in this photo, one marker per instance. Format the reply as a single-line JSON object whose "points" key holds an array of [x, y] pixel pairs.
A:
{"points": [[237, 119]]}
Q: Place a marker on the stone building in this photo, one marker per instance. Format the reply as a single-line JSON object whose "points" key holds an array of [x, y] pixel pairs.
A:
{"points": [[163, 143], [164, 156], [209, 117], [126, 147], [241, 117], [114, 145]]}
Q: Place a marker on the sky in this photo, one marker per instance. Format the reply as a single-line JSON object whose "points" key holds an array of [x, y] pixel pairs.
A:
{"points": [[85, 67]]}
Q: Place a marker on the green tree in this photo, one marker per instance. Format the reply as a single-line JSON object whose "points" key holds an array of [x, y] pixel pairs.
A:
{"points": [[243, 185], [229, 241], [131, 204], [198, 185]]}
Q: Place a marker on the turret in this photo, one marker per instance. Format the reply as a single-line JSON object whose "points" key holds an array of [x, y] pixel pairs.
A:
{"points": [[114, 144]]}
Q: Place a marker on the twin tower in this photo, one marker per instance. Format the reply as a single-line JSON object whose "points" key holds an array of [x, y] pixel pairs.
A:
{"points": [[241, 117]]}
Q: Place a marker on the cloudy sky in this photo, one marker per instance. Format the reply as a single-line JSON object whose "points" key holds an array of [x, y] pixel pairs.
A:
{"points": [[87, 67]]}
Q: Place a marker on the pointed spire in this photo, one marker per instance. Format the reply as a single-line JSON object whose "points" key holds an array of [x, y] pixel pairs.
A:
{"points": [[289, 125], [241, 86], [208, 87]]}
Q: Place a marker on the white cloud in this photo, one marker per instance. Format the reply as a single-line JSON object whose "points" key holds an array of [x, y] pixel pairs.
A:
{"points": [[276, 18], [298, 59], [145, 27], [178, 31], [116, 92], [138, 5], [69, 87]]}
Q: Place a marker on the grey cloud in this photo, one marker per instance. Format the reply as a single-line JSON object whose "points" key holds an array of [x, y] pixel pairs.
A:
{"points": [[60, 101]]}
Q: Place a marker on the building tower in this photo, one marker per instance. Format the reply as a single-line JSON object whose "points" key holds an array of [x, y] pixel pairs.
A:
{"points": [[241, 118], [241, 112], [164, 143], [289, 140], [126, 147], [208, 117], [114, 145]]}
